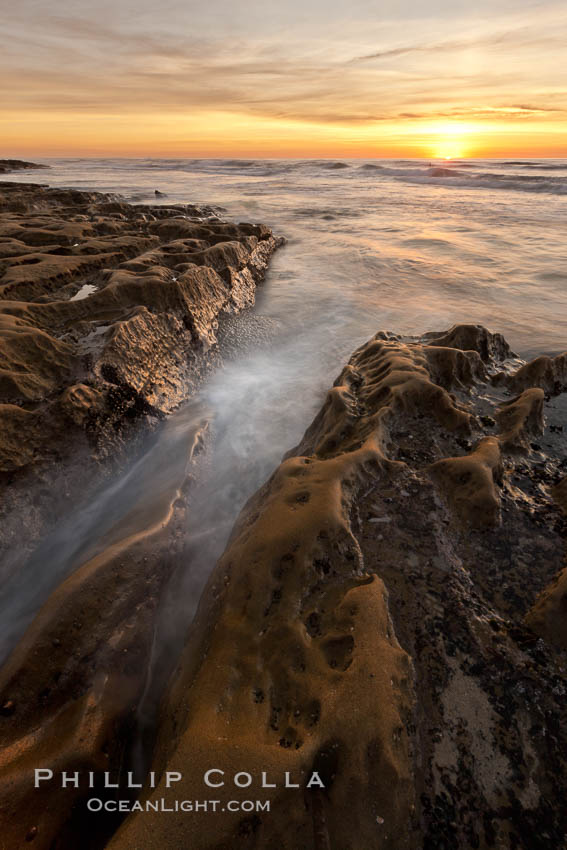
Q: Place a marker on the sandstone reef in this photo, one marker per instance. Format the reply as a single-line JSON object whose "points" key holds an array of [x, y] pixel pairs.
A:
{"points": [[109, 315], [390, 608], [389, 612]]}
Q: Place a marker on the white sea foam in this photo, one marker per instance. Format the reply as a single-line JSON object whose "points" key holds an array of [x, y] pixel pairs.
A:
{"points": [[402, 245]]}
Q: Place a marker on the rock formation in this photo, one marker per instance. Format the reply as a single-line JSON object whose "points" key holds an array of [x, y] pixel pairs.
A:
{"points": [[388, 616], [108, 321], [376, 618], [548, 617], [108, 314], [107, 309], [8, 165]]}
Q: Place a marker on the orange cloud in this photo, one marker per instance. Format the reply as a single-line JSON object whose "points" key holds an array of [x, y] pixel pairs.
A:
{"points": [[210, 82]]}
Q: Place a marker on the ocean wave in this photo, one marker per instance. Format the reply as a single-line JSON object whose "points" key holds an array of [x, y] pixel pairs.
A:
{"points": [[455, 177], [458, 173], [416, 165], [538, 166], [326, 212], [417, 168], [240, 163], [252, 167], [444, 172], [515, 183]]}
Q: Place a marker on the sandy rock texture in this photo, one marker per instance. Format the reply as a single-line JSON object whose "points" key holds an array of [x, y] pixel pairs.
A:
{"points": [[387, 613], [70, 688], [108, 315], [108, 322]]}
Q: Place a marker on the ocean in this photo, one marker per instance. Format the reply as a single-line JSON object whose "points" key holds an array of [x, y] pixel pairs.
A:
{"points": [[407, 246]]}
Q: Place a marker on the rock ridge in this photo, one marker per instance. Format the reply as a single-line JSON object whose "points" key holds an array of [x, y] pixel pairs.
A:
{"points": [[8, 165], [108, 318], [373, 615], [109, 315]]}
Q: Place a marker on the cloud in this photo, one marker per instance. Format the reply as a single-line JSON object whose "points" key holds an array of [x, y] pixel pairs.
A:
{"points": [[520, 38], [443, 47], [120, 65]]}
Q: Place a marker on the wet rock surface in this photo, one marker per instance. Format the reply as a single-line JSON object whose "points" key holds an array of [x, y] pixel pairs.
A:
{"points": [[108, 317], [71, 687], [389, 612], [108, 322]]}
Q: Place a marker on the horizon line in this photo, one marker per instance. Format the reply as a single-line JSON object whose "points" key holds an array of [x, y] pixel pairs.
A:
{"points": [[275, 158]]}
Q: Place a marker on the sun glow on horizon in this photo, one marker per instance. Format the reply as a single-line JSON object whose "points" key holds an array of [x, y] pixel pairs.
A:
{"points": [[217, 133], [451, 140], [444, 81]]}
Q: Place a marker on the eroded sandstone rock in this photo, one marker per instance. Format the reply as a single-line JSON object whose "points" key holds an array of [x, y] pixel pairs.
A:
{"points": [[367, 617], [126, 310], [108, 319], [548, 617], [70, 689], [104, 325]]}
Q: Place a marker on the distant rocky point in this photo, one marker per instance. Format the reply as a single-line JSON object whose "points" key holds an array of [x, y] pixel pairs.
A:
{"points": [[7, 165]]}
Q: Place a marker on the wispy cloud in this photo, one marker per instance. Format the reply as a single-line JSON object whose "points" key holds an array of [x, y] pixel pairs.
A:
{"points": [[308, 63], [520, 39]]}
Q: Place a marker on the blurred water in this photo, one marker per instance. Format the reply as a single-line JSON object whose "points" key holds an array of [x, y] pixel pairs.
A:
{"points": [[408, 246]]}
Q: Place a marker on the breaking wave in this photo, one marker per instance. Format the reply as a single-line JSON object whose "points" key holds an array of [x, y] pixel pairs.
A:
{"points": [[456, 177], [536, 176]]}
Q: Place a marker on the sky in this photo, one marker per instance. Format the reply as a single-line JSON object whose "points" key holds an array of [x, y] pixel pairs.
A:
{"points": [[300, 78]]}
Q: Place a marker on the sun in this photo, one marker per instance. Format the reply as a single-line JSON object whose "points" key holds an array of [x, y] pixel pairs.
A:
{"points": [[449, 150], [450, 140]]}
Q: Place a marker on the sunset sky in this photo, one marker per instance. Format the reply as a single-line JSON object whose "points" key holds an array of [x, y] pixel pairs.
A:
{"points": [[445, 78]]}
